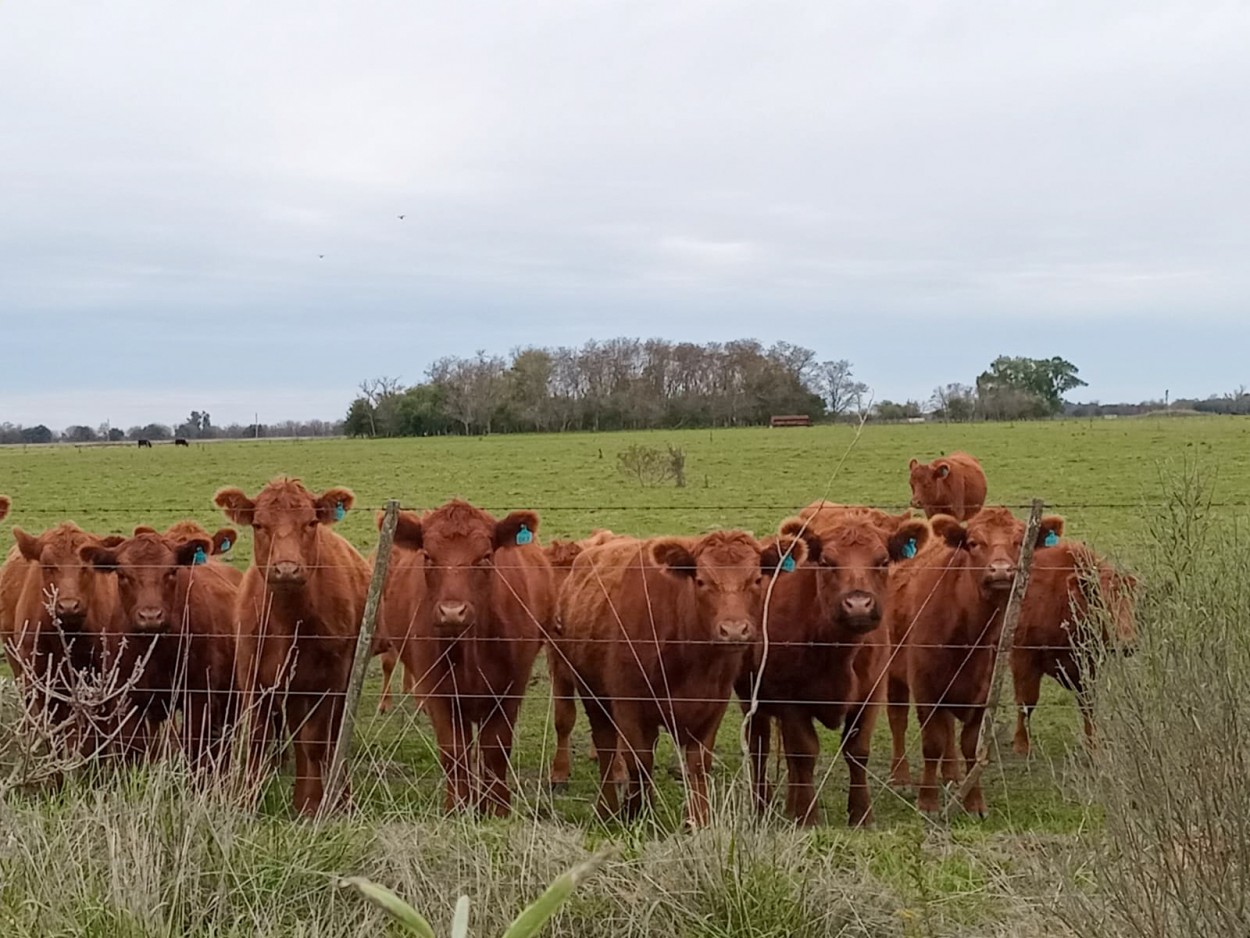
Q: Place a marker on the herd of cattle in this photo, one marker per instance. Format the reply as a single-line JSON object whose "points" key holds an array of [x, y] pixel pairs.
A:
{"points": [[842, 613]]}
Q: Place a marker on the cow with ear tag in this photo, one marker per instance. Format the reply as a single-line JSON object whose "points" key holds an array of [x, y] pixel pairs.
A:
{"points": [[54, 609], [656, 633], [953, 485], [828, 650], [222, 541], [298, 614], [946, 615], [172, 639], [469, 600]]}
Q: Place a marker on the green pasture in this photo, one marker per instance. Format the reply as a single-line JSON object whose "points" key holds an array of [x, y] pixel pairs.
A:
{"points": [[1102, 475]]}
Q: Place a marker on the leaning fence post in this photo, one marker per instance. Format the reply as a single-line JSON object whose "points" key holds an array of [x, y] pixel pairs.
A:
{"points": [[1002, 654], [364, 651]]}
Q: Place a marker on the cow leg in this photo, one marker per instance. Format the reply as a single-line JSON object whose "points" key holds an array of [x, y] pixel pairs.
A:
{"points": [[857, 730], [412, 689], [564, 713], [494, 743], [759, 740], [802, 747], [974, 801], [951, 761], [197, 729], [390, 658], [1026, 676], [936, 728], [899, 701], [314, 741], [452, 732], [637, 743], [604, 733], [698, 764]]}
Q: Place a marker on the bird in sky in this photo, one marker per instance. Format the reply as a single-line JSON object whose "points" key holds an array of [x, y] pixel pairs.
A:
{"points": [[401, 217], [322, 256]]}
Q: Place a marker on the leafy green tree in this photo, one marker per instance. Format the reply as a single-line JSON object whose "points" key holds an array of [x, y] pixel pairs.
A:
{"points": [[1046, 379]]}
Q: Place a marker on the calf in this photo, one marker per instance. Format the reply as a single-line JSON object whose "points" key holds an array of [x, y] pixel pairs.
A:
{"points": [[1076, 605], [174, 625], [657, 632], [953, 485], [297, 616], [946, 614], [468, 602], [827, 651], [53, 612]]}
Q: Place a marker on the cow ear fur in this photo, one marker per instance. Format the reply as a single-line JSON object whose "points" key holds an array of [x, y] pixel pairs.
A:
{"points": [[507, 530], [949, 530], [236, 505], [673, 556], [408, 530], [913, 533], [797, 528]]}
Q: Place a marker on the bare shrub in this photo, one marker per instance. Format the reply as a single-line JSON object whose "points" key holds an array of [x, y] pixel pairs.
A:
{"points": [[653, 466]]}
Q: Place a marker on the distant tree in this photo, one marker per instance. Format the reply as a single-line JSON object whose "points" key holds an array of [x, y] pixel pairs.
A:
{"points": [[836, 384], [78, 434], [474, 389], [153, 431], [361, 418], [954, 402], [890, 410], [116, 434], [36, 434], [1046, 379], [421, 411]]}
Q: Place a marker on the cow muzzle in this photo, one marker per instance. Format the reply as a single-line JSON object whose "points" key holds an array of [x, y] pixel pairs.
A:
{"points": [[287, 573], [735, 631], [999, 575], [71, 610], [453, 615], [150, 618], [859, 611]]}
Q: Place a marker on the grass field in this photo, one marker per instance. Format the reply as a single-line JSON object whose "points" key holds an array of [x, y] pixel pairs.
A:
{"points": [[1103, 476]]}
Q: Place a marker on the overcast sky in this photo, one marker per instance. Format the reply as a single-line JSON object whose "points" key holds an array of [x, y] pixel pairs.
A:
{"points": [[916, 187]]}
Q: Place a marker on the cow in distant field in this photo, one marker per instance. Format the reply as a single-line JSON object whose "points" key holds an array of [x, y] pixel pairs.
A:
{"points": [[179, 441], [54, 610], [297, 615], [953, 485], [173, 633], [468, 602], [828, 650], [657, 632], [4, 506], [1077, 605], [946, 615], [561, 555], [145, 444]]}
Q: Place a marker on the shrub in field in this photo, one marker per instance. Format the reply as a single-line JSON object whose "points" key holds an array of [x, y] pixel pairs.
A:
{"points": [[652, 466]]}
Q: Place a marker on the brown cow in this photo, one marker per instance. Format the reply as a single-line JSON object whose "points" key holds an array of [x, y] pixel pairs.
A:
{"points": [[828, 652], [298, 614], [4, 506], [468, 603], [946, 615], [175, 624], [953, 485], [657, 632], [1071, 590], [561, 555], [55, 609]]}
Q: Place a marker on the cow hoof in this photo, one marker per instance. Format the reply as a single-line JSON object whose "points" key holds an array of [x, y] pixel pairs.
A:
{"points": [[559, 788]]}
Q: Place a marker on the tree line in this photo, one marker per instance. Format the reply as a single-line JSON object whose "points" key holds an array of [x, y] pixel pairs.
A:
{"points": [[196, 427]]}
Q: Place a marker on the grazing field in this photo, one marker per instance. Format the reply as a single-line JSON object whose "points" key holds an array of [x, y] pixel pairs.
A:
{"points": [[195, 866]]}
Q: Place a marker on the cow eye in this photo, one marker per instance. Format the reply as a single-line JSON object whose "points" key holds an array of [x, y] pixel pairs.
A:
{"points": [[883, 560], [700, 582], [171, 574], [312, 524], [257, 527], [484, 561]]}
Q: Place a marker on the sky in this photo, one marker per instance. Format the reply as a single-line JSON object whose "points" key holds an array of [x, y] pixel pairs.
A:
{"points": [[917, 187]]}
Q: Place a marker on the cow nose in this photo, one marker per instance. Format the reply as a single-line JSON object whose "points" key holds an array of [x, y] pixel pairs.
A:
{"points": [[735, 630], [70, 608], [287, 571], [453, 613], [859, 605], [1000, 572], [150, 617]]}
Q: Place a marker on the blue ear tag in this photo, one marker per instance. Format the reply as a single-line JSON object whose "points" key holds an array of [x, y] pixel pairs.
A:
{"points": [[523, 536], [1051, 539], [909, 549], [787, 564], [339, 512], [200, 557], [225, 544]]}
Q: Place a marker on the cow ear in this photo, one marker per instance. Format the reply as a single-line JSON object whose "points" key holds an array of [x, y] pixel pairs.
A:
{"points": [[408, 530], [782, 551], [101, 558], [518, 528], [189, 553], [798, 528], [949, 530], [674, 556], [111, 540], [941, 468], [237, 506], [1049, 533], [908, 539], [334, 504], [4, 506], [28, 544], [913, 464], [224, 539], [143, 529]]}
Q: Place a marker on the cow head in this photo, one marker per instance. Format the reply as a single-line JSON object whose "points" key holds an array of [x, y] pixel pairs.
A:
{"points": [[65, 574], [561, 554], [146, 566], [930, 490], [459, 542], [285, 519], [851, 550], [223, 540], [990, 543], [4, 506], [729, 571], [1109, 598]]}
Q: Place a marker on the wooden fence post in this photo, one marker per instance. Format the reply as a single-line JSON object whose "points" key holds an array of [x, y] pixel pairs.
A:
{"points": [[364, 651], [1002, 655]]}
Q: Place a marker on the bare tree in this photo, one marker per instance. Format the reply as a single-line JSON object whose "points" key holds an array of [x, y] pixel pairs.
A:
{"points": [[954, 402], [375, 391], [837, 385]]}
